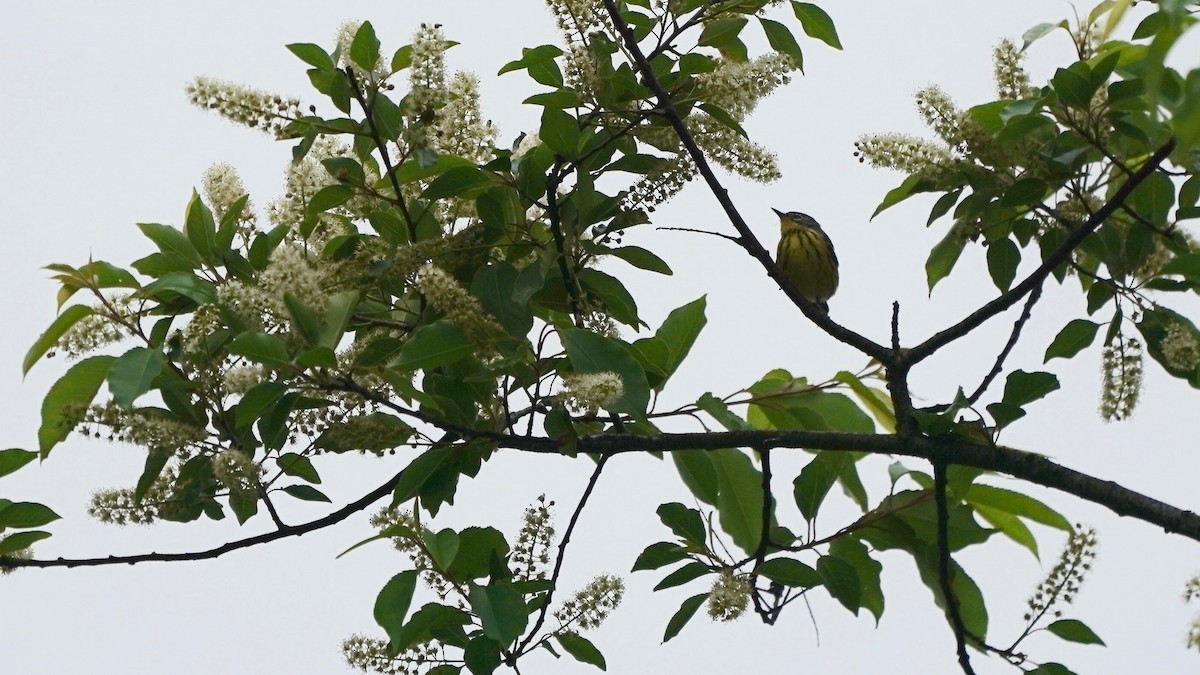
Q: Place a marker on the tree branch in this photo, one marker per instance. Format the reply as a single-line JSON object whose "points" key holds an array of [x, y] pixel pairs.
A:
{"points": [[1008, 346], [943, 566], [284, 531]]}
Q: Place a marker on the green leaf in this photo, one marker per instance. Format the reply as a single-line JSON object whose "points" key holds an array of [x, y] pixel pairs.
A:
{"points": [[560, 132], [437, 344], [133, 374], [364, 50], [200, 228], [481, 656], [782, 40], [684, 614], [867, 568], [698, 474], [582, 649], [442, 546], [307, 493], [19, 541], [680, 330], [1051, 668], [391, 605], [75, 389], [723, 34], [313, 55], [1022, 387], [841, 580], [496, 287], [1010, 525], [789, 572], [478, 549], [815, 480], [641, 258], [457, 181], [304, 320], [531, 57], [1073, 88], [69, 317], [659, 555], [592, 353], [943, 257], [299, 466], [612, 293], [338, 311], [1003, 256], [686, 523], [26, 514], [171, 240], [816, 23], [1017, 504], [1153, 198], [740, 497], [328, 197], [417, 472], [500, 609], [1072, 339], [13, 459], [256, 401], [1072, 630], [188, 285], [261, 348], [724, 117]]}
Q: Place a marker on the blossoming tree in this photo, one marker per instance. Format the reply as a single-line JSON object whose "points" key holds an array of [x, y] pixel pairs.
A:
{"points": [[427, 293]]}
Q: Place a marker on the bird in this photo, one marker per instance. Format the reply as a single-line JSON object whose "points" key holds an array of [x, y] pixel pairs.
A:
{"points": [[806, 257]]}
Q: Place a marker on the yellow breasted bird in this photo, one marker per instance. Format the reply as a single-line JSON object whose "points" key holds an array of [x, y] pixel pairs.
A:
{"points": [[806, 256]]}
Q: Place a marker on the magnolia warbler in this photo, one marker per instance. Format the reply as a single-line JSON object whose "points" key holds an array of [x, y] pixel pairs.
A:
{"points": [[806, 256]]}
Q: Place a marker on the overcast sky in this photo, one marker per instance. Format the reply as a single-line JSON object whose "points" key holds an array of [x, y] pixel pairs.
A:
{"points": [[98, 136]]}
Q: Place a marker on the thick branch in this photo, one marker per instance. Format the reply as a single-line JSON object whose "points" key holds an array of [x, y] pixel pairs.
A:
{"points": [[746, 238], [1035, 278], [1026, 466]]}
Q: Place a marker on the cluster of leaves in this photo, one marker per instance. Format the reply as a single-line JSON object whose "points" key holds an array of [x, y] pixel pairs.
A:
{"points": [[1023, 173]]}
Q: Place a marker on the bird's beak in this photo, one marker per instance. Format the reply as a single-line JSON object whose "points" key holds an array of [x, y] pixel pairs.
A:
{"points": [[778, 212]]}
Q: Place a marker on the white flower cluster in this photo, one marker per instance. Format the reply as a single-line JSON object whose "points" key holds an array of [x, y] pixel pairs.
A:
{"points": [[240, 379], [1011, 79], [729, 596], [577, 18], [660, 185], [118, 507], [910, 154], [243, 105], [142, 427], [370, 654], [222, 187], [460, 307], [205, 320], [938, 111], [738, 87], [460, 128], [288, 271], [581, 73], [590, 391], [733, 151], [1179, 346], [1121, 373], [427, 80], [531, 552], [304, 179], [96, 330], [1063, 582], [591, 605], [1191, 592], [236, 470]]}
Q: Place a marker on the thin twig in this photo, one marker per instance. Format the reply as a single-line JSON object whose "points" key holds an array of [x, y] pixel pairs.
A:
{"points": [[1008, 346], [562, 553], [735, 240], [285, 531], [383, 152], [943, 565]]}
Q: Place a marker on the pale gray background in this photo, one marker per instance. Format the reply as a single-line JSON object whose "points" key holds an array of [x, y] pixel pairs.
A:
{"points": [[98, 136]]}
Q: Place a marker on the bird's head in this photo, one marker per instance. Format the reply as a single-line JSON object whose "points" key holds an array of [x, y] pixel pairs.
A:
{"points": [[796, 219]]}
